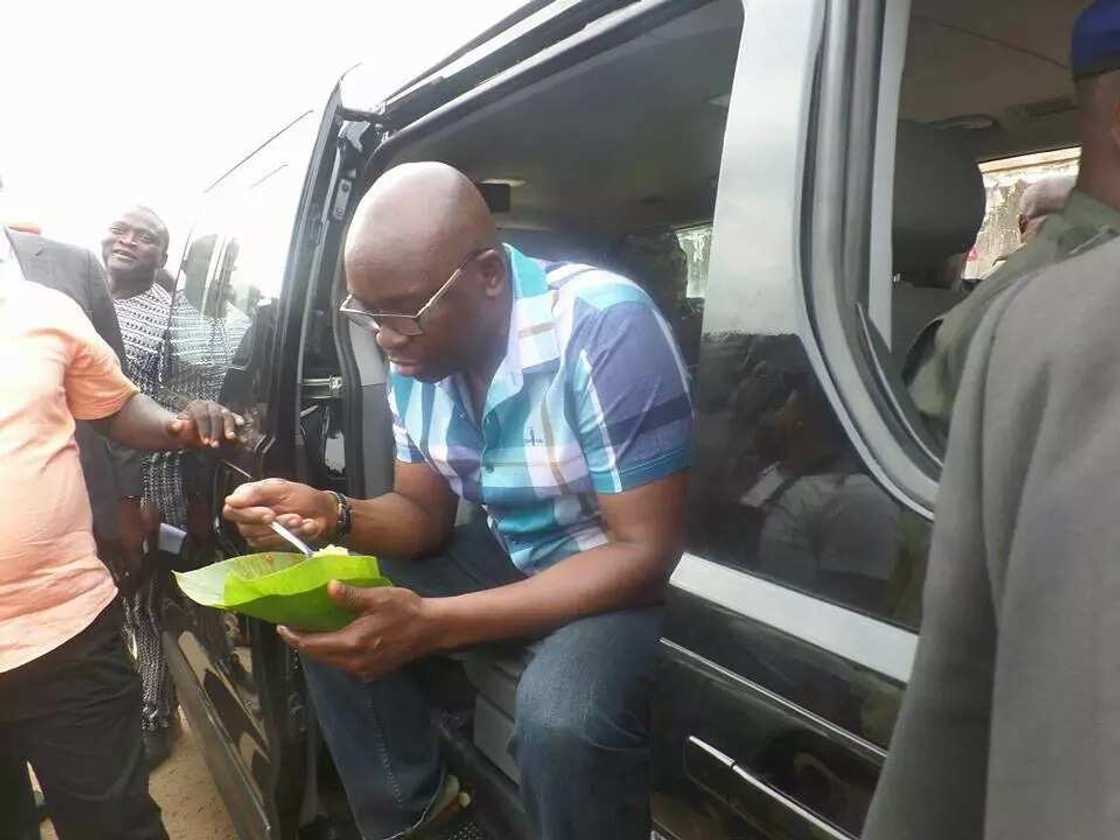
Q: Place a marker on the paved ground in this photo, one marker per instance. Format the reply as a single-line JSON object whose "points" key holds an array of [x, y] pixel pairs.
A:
{"points": [[192, 809]]}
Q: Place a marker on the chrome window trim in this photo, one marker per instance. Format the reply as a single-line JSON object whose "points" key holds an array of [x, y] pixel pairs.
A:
{"points": [[876, 645], [857, 744], [896, 25], [792, 805], [878, 436]]}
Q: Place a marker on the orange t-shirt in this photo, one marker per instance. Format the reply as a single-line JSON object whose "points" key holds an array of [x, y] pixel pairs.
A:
{"points": [[53, 368]]}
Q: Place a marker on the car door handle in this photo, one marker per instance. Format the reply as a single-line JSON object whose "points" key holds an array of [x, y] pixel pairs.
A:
{"points": [[718, 772]]}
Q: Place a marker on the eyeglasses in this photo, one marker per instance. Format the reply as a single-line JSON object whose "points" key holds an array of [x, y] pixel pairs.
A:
{"points": [[407, 325]]}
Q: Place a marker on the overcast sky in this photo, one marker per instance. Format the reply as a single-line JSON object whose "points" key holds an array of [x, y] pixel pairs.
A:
{"points": [[106, 104]]}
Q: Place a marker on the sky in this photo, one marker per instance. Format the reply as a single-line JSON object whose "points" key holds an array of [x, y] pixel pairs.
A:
{"points": [[104, 105]]}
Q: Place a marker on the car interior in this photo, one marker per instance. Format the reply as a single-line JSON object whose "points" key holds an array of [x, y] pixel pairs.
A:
{"points": [[982, 81], [625, 148]]}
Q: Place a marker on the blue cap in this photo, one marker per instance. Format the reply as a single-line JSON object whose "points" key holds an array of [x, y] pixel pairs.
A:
{"points": [[1096, 40]]}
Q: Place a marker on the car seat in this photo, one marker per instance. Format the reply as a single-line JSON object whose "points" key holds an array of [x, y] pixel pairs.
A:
{"points": [[938, 208]]}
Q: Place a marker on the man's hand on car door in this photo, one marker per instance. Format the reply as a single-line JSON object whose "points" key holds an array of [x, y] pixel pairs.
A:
{"points": [[204, 423], [394, 627]]}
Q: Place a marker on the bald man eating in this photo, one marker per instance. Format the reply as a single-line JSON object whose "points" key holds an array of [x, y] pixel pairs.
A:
{"points": [[554, 397]]}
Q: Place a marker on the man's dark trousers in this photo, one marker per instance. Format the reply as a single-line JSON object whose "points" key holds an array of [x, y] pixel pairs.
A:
{"points": [[581, 734], [74, 714]]}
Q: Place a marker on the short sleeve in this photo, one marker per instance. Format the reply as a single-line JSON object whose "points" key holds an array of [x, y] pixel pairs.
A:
{"points": [[630, 391], [407, 451], [96, 387]]}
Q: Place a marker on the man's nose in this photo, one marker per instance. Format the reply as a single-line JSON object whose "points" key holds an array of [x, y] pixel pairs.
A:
{"points": [[389, 339]]}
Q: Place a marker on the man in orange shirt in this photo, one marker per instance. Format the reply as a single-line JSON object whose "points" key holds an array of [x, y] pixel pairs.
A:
{"points": [[69, 697]]}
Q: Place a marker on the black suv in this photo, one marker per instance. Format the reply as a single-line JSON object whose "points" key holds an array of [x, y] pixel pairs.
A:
{"points": [[800, 174]]}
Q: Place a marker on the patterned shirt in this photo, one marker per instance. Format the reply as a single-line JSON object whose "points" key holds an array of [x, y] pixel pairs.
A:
{"points": [[591, 397], [144, 319], [202, 349], [175, 355]]}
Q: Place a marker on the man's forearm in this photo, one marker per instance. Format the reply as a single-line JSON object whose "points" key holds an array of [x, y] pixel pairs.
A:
{"points": [[142, 424], [611, 577], [395, 526]]}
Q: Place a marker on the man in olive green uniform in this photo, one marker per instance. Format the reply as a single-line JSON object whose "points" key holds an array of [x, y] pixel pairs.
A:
{"points": [[1090, 216]]}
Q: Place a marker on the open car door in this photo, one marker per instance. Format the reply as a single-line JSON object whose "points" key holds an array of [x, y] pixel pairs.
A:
{"points": [[236, 332]]}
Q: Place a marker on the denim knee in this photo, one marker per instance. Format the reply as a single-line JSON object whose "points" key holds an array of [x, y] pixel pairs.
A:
{"points": [[576, 718]]}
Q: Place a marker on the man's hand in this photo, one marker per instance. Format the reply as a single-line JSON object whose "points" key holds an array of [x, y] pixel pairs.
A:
{"points": [[204, 423], [305, 511], [394, 627]]}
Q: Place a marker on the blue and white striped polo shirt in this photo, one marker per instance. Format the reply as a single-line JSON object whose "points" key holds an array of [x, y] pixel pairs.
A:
{"points": [[591, 397]]}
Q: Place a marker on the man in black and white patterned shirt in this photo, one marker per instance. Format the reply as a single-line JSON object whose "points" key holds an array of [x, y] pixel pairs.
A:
{"points": [[180, 345], [134, 249]]}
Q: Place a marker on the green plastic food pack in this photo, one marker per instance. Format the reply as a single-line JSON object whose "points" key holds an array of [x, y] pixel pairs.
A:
{"points": [[282, 588]]}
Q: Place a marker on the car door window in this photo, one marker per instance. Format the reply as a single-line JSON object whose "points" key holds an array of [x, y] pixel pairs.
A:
{"points": [[219, 345], [778, 489], [224, 312]]}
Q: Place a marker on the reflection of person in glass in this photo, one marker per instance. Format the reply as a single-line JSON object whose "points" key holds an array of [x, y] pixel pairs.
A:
{"points": [[206, 331], [827, 526]]}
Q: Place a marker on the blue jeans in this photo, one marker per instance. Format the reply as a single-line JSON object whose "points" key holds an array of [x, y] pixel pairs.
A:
{"points": [[581, 734]]}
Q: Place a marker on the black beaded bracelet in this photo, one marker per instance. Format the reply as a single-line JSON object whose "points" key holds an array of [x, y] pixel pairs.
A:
{"points": [[345, 516]]}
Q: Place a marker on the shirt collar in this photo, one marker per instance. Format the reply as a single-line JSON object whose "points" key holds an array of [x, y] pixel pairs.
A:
{"points": [[532, 323], [1081, 209], [532, 343]]}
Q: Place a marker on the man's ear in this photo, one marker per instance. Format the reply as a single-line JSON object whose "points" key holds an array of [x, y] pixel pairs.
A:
{"points": [[495, 273], [1114, 116], [1022, 224]]}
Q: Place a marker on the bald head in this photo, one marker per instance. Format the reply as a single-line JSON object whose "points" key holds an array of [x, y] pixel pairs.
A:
{"points": [[1040, 200], [415, 228], [417, 222]]}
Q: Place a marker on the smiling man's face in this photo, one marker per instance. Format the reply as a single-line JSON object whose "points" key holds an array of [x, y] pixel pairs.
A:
{"points": [[134, 246]]}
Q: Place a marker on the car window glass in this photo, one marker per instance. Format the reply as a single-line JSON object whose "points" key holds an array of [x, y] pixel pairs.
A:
{"points": [[965, 157], [225, 307], [218, 346], [925, 294], [778, 490], [1005, 182], [696, 242]]}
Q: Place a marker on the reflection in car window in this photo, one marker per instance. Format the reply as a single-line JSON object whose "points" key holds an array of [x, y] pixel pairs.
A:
{"points": [[225, 305], [223, 318], [205, 331], [779, 491]]}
